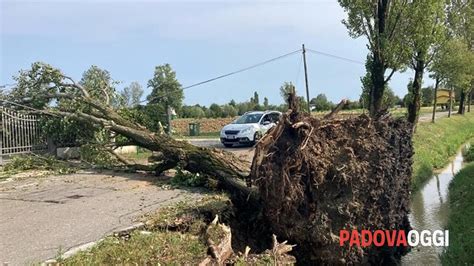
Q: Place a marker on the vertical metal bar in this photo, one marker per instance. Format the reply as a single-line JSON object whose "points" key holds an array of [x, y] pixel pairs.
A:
{"points": [[22, 132], [1, 137], [10, 131]]}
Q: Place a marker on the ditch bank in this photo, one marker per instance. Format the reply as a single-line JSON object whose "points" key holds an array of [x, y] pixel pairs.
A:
{"points": [[435, 144], [429, 211], [461, 218]]}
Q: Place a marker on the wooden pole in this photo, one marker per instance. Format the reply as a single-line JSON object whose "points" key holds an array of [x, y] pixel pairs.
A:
{"points": [[306, 78]]}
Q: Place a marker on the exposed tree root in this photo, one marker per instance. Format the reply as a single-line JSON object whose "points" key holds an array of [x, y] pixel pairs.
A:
{"points": [[316, 177]]}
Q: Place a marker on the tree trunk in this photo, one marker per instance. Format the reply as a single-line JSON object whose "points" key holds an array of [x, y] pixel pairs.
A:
{"points": [[450, 102], [378, 67], [469, 101], [222, 165], [414, 104], [378, 87], [462, 101], [435, 100]]}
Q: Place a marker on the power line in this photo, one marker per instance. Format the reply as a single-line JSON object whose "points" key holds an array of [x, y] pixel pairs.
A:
{"points": [[335, 56], [243, 69], [297, 79], [238, 71]]}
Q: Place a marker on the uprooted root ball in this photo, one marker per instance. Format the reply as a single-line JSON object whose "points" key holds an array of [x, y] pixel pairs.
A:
{"points": [[317, 177]]}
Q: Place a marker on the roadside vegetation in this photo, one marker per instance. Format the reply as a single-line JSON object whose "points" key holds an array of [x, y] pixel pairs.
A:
{"points": [[436, 143], [468, 152], [175, 235], [40, 165], [461, 219]]}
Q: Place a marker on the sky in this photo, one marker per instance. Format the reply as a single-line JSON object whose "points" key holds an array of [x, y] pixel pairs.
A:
{"points": [[199, 39]]}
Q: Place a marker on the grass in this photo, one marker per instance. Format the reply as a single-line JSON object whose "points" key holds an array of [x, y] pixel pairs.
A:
{"points": [[468, 152], [435, 144], [159, 245], [169, 248], [461, 219], [140, 155]]}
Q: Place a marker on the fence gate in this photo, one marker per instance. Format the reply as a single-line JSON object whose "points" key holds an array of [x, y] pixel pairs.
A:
{"points": [[20, 134]]}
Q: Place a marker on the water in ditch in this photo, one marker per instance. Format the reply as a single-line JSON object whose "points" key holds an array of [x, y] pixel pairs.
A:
{"points": [[429, 211]]}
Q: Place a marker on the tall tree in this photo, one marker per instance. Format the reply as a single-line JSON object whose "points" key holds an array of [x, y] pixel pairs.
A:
{"points": [[425, 21], [381, 22], [255, 98], [166, 91], [265, 102], [100, 85], [132, 94], [454, 65], [321, 103], [461, 25]]}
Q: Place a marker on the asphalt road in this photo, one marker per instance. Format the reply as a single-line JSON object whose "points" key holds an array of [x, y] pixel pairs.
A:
{"points": [[41, 216]]}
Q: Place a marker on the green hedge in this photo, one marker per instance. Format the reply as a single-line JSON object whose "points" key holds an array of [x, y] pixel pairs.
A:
{"points": [[461, 219], [435, 144]]}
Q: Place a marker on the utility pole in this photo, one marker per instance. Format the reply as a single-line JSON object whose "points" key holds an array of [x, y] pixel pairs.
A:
{"points": [[306, 78]]}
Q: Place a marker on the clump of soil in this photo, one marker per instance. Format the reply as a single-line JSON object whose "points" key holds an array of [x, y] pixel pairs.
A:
{"points": [[318, 176]]}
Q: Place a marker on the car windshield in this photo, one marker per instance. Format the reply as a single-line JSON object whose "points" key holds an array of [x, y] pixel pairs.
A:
{"points": [[248, 119]]}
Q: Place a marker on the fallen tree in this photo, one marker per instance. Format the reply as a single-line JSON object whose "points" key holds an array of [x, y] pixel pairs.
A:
{"points": [[313, 177]]}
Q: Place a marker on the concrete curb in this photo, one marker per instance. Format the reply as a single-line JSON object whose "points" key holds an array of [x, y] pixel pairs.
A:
{"points": [[72, 251]]}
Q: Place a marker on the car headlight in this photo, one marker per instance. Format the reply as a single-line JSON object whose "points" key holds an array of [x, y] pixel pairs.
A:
{"points": [[245, 131]]}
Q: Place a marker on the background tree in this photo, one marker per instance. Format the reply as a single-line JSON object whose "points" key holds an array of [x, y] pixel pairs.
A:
{"points": [[100, 85], [381, 22], [454, 66], [216, 110], [425, 20], [461, 26], [321, 103], [427, 96], [166, 91], [132, 94], [255, 99], [265, 102]]}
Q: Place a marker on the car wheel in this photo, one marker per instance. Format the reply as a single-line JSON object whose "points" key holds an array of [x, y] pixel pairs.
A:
{"points": [[228, 145], [256, 138]]}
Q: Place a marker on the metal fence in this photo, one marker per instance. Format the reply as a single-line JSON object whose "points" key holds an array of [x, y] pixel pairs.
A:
{"points": [[20, 134]]}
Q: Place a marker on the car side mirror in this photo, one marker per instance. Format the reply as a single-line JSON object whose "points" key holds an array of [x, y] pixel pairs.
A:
{"points": [[266, 123]]}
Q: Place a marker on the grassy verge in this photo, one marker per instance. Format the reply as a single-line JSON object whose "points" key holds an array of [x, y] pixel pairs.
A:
{"points": [[461, 219], [468, 153], [173, 236], [436, 143]]}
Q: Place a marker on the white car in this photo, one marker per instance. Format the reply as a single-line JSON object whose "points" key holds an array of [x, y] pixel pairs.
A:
{"points": [[249, 128]]}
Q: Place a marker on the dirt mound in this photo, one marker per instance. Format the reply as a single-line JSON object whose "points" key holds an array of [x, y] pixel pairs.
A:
{"points": [[318, 176]]}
